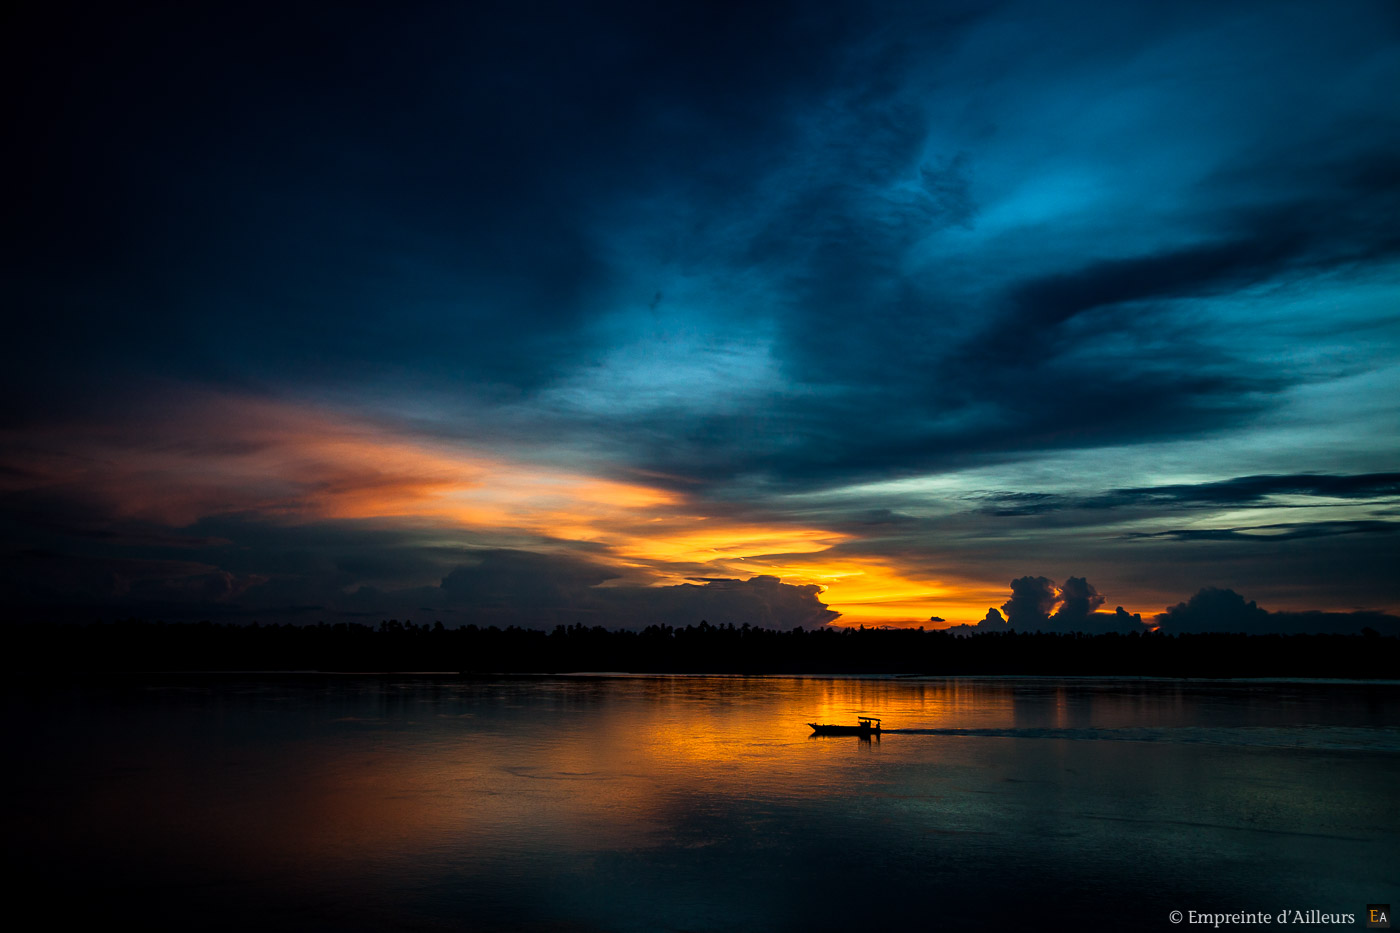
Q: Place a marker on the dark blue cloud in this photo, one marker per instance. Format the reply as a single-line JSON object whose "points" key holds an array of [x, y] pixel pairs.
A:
{"points": [[365, 193], [1244, 490], [1275, 531], [1236, 491]]}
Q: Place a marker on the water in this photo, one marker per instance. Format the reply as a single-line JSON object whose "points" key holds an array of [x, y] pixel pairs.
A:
{"points": [[694, 803]]}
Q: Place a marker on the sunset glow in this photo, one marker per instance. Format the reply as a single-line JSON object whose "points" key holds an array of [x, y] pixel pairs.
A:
{"points": [[822, 314]]}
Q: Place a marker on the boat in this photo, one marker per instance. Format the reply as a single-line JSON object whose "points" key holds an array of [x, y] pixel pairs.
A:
{"points": [[869, 725]]}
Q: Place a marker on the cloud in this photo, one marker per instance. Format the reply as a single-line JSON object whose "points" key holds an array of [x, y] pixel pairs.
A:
{"points": [[1275, 531], [1029, 333], [1224, 610], [207, 454], [522, 581], [1266, 489], [1246, 490], [1020, 503], [838, 177], [1078, 601], [1214, 610], [993, 622], [541, 591], [1033, 598], [321, 572], [645, 283], [763, 600], [40, 585]]}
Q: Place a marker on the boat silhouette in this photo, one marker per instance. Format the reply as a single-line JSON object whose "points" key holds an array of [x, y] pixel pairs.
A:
{"points": [[869, 725]]}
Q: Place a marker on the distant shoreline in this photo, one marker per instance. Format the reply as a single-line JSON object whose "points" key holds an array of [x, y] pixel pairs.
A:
{"points": [[134, 646]]}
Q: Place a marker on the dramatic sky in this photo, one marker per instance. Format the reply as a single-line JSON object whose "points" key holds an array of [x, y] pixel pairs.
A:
{"points": [[618, 313]]}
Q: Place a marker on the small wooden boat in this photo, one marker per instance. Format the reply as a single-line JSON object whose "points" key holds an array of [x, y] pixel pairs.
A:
{"points": [[869, 725]]}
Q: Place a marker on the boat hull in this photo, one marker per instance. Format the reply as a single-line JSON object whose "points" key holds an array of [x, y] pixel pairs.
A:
{"points": [[818, 729]]}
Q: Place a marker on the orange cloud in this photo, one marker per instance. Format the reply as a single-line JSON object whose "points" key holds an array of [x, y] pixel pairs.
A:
{"points": [[204, 455], [702, 540], [869, 591], [212, 455]]}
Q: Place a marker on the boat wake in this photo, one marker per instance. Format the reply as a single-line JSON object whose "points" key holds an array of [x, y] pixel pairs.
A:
{"points": [[1384, 739]]}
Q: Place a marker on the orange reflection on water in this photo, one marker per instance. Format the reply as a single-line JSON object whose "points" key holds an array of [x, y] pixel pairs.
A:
{"points": [[470, 775], [568, 803]]}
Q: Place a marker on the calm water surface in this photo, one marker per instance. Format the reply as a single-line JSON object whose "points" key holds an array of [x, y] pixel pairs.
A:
{"points": [[698, 803]]}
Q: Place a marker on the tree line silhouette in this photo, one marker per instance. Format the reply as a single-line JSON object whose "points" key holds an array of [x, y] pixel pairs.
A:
{"points": [[142, 645]]}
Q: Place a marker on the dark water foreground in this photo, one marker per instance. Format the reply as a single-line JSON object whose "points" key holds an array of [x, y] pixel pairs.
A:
{"points": [[697, 803]]}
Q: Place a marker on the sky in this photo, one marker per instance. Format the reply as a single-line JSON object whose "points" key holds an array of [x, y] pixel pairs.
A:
{"points": [[941, 313]]}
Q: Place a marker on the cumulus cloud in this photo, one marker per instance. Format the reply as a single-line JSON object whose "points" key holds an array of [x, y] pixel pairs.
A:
{"points": [[763, 600], [1031, 600], [1125, 621], [537, 590], [523, 580], [993, 622], [1078, 601], [1214, 610], [1037, 604], [1224, 610], [504, 587]]}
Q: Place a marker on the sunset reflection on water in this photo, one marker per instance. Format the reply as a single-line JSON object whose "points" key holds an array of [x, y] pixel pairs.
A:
{"points": [[692, 802]]}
